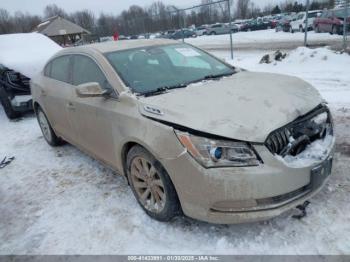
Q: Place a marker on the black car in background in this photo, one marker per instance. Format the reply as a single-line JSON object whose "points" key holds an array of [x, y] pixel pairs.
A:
{"points": [[256, 24], [15, 94], [185, 33], [284, 24]]}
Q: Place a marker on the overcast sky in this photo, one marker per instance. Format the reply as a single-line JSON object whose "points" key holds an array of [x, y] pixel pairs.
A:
{"points": [[97, 6]]}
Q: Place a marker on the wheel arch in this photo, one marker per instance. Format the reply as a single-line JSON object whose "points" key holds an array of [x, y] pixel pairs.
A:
{"points": [[126, 148], [124, 153], [36, 105]]}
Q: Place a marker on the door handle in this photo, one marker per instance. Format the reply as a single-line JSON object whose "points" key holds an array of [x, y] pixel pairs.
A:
{"points": [[70, 106]]}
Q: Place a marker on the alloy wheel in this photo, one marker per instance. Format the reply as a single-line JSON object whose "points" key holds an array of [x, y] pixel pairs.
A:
{"points": [[148, 185]]}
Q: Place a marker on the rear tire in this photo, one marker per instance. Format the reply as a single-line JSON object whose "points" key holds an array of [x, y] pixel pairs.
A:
{"points": [[6, 104], [45, 126], [335, 30], [212, 33], [151, 185], [317, 29]]}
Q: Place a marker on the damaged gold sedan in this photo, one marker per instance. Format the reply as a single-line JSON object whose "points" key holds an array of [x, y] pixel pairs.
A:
{"points": [[191, 133]]}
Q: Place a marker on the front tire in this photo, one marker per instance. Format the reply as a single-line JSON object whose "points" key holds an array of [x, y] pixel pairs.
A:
{"points": [[151, 185], [45, 126]]}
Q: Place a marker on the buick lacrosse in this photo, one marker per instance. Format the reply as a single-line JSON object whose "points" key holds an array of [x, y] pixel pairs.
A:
{"points": [[192, 134]]}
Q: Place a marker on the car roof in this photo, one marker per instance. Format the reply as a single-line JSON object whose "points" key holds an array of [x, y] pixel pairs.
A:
{"points": [[315, 11], [112, 46]]}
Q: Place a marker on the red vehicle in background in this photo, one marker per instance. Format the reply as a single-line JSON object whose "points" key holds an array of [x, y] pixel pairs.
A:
{"points": [[331, 21], [116, 36]]}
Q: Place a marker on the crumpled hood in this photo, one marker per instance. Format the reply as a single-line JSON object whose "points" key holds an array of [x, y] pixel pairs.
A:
{"points": [[247, 106]]}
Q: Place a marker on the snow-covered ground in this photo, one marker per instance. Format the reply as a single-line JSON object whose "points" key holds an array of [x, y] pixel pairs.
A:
{"points": [[60, 201], [264, 39], [262, 36]]}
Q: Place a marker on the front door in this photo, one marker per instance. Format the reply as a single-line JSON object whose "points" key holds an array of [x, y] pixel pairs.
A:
{"points": [[93, 117]]}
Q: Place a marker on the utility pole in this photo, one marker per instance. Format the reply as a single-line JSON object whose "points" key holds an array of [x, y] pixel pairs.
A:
{"points": [[184, 26], [306, 21], [345, 24], [230, 25]]}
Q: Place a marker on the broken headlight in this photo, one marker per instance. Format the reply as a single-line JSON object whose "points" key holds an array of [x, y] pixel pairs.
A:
{"points": [[218, 153]]}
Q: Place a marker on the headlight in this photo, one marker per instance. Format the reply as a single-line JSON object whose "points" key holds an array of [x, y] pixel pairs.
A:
{"points": [[218, 153]]}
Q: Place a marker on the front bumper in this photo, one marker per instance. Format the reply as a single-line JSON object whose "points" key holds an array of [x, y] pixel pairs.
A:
{"points": [[241, 194], [22, 103]]}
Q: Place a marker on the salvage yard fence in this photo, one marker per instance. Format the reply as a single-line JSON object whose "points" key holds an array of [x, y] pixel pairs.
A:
{"points": [[228, 6], [181, 14]]}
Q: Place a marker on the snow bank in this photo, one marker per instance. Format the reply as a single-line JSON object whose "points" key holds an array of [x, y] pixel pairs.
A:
{"points": [[26, 53], [324, 55], [263, 36]]}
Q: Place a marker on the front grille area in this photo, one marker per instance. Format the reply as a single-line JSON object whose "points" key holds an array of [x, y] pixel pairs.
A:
{"points": [[294, 137], [278, 140]]}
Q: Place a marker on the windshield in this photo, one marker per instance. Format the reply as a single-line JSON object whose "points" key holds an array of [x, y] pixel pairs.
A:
{"points": [[340, 13], [149, 69], [312, 15]]}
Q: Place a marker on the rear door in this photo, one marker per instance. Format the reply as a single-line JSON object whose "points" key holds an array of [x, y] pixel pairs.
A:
{"points": [[322, 21], [57, 94], [92, 117], [329, 21]]}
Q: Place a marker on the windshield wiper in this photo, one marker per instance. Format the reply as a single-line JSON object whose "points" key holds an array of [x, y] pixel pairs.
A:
{"points": [[209, 77], [162, 90], [212, 77]]}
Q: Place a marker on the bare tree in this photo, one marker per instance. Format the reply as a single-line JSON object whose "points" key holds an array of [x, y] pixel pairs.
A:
{"points": [[53, 10], [242, 9], [85, 19], [5, 23], [24, 22]]}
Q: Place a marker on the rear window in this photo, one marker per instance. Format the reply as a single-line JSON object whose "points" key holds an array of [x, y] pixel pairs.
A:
{"points": [[60, 68], [47, 70]]}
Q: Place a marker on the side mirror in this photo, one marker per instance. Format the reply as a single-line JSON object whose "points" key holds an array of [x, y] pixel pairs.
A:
{"points": [[92, 89]]}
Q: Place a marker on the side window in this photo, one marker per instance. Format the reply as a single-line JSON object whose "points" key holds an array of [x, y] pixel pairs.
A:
{"points": [[85, 70], [60, 68]]}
